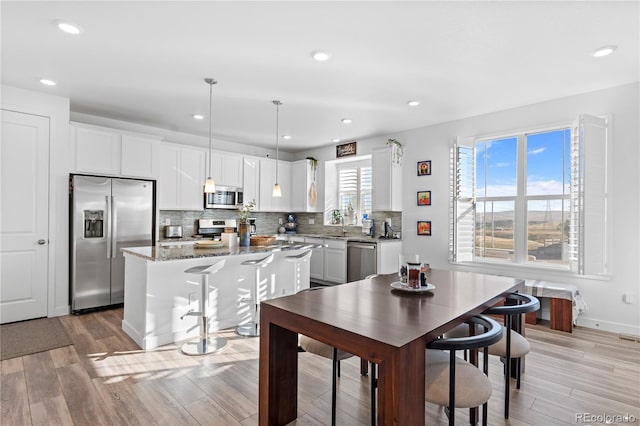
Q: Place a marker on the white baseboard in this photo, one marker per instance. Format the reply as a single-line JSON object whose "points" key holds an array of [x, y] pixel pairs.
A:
{"points": [[60, 311], [610, 326]]}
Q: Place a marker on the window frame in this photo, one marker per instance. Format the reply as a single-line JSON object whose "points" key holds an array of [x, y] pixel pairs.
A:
{"points": [[520, 263]]}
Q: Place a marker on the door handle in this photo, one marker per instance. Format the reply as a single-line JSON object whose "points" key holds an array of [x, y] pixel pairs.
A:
{"points": [[42, 242]]}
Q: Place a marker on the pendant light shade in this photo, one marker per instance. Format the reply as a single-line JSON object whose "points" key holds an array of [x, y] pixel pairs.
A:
{"points": [[277, 192], [210, 185]]}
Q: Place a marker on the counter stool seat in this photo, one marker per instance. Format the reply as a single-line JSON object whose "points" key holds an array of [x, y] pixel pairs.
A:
{"points": [[296, 259], [252, 329], [204, 344]]}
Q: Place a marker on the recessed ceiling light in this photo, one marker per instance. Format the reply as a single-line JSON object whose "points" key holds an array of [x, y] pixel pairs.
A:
{"points": [[347, 120], [320, 55], [47, 82], [68, 27], [198, 116], [287, 137], [604, 51], [335, 140], [413, 103]]}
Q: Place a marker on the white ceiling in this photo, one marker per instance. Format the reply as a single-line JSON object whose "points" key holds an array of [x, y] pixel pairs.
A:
{"points": [[145, 62]]}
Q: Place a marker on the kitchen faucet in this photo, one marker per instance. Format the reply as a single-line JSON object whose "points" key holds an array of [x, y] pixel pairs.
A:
{"points": [[344, 230]]}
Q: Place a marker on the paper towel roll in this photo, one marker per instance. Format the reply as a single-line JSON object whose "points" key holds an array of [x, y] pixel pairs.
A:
{"points": [[230, 238]]}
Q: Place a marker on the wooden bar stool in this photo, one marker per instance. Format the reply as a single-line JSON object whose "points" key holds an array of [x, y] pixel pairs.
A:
{"points": [[252, 329], [203, 344]]}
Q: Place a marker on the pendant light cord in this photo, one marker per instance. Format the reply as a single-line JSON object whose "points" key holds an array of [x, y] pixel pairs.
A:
{"points": [[210, 120], [277, 136]]}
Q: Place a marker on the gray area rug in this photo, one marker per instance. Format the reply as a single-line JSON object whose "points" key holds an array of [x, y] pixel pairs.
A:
{"points": [[29, 337]]}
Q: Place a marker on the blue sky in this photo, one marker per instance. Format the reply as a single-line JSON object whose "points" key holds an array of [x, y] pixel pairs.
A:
{"points": [[544, 164]]}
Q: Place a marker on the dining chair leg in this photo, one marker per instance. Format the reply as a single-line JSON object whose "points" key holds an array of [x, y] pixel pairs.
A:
{"points": [[452, 387], [485, 370], [336, 365], [518, 366], [507, 376]]}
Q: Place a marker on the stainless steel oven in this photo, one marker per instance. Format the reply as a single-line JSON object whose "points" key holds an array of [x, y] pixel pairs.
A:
{"points": [[223, 198]]}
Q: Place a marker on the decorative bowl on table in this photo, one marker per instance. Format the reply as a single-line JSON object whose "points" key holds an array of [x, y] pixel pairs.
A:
{"points": [[262, 240]]}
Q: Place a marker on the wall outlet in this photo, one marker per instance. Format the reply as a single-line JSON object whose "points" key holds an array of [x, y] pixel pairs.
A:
{"points": [[167, 221], [280, 221], [312, 221]]}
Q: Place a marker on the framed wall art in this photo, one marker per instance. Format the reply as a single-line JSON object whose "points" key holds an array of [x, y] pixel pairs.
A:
{"points": [[424, 227], [424, 168], [346, 149], [424, 198]]}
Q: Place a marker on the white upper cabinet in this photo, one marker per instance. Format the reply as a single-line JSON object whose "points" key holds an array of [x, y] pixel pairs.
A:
{"points": [[226, 169], [268, 202], [251, 180], [181, 177], [304, 191], [387, 181], [138, 156], [100, 150]]}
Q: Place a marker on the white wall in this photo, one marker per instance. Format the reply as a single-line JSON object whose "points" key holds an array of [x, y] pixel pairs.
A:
{"points": [[57, 109], [606, 309], [604, 298]]}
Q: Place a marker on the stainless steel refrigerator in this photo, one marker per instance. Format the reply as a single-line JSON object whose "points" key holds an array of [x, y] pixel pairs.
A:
{"points": [[106, 215]]}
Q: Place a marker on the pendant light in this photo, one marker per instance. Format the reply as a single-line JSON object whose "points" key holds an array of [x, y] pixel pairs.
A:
{"points": [[209, 185], [277, 192]]}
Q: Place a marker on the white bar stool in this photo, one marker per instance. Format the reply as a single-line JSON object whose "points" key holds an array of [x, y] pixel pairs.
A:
{"points": [[296, 259], [203, 344], [252, 329]]}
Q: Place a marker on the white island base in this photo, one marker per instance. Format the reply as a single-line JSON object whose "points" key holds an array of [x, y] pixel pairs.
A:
{"points": [[158, 291]]}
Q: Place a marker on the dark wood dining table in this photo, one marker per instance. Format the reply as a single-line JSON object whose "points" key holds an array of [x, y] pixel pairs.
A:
{"points": [[375, 322]]}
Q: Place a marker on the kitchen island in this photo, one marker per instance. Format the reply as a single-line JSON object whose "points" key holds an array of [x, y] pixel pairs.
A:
{"points": [[157, 292]]}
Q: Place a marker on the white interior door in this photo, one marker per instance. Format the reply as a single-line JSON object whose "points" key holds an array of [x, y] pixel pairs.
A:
{"points": [[24, 210]]}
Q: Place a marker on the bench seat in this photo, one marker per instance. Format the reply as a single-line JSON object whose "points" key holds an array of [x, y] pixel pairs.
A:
{"points": [[565, 300]]}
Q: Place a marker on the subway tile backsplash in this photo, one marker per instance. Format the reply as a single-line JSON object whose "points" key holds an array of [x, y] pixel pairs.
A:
{"points": [[268, 223]]}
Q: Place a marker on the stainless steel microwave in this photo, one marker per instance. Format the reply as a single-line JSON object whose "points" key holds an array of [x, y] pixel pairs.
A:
{"points": [[223, 198]]}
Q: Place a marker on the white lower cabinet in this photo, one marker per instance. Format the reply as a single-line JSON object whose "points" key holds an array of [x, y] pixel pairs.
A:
{"points": [[335, 261], [317, 259], [388, 256], [328, 264]]}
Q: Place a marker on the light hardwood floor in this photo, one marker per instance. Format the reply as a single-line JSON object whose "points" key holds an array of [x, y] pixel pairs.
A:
{"points": [[104, 379]]}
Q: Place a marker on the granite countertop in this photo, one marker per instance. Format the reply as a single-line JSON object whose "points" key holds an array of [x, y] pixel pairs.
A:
{"points": [[360, 239], [159, 253]]}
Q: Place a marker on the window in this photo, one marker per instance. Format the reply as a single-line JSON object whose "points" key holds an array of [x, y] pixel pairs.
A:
{"points": [[354, 191], [526, 198]]}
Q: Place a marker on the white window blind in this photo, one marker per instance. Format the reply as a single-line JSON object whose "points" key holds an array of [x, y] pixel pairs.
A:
{"points": [[354, 191], [462, 206], [588, 241]]}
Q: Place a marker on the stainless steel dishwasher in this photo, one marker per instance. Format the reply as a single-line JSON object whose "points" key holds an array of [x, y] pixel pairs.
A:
{"points": [[361, 260]]}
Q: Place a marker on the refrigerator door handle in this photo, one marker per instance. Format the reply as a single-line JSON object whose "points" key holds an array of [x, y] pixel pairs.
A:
{"points": [[114, 228], [109, 225]]}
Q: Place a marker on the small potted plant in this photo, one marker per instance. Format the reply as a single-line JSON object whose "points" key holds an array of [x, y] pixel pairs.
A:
{"points": [[244, 228], [396, 148]]}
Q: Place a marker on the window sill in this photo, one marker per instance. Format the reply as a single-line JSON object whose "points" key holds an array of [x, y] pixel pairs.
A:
{"points": [[526, 271]]}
